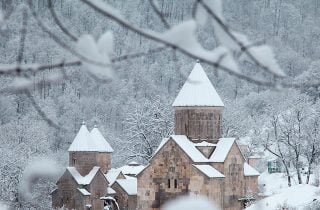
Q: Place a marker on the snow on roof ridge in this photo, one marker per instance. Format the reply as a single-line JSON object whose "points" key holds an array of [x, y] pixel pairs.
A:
{"points": [[84, 180], [189, 148], [89, 141], [112, 175], [205, 144], [198, 90], [222, 150], [131, 169], [128, 185], [249, 170], [209, 171]]}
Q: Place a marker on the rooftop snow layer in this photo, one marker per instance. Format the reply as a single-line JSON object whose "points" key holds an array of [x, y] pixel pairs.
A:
{"points": [[209, 171], [249, 170], [89, 141], [131, 169], [128, 185], [83, 180], [219, 155], [83, 191], [223, 147], [205, 144], [198, 90], [112, 175], [189, 148], [100, 141]]}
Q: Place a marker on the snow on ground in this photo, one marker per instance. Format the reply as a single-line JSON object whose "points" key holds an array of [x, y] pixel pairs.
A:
{"points": [[297, 196], [276, 182]]}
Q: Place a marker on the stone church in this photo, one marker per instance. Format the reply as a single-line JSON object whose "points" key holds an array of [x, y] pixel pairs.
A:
{"points": [[193, 161]]}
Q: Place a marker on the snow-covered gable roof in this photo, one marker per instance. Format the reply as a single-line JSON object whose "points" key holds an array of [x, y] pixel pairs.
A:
{"points": [[189, 148], [83, 191], [89, 141], [112, 175], [110, 191], [222, 150], [198, 90], [131, 169], [249, 170], [83, 180], [209, 171], [219, 155], [128, 185]]}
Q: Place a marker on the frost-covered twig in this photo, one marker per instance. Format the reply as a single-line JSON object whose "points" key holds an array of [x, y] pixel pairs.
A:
{"points": [[112, 13]]}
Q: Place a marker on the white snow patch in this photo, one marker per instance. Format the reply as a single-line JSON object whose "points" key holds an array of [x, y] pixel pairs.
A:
{"points": [[205, 144], [189, 203], [264, 54], [112, 175], [209, 171], [83, 180], [131, 169], [249, 170], [128, 185], [223, 147], [83, 191], [198, 90], [97, 62], [296, 196]]}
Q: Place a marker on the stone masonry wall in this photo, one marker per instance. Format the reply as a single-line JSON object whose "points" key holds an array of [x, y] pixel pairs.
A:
{"points": [[198, 123], [169, 175], [84, 161]]}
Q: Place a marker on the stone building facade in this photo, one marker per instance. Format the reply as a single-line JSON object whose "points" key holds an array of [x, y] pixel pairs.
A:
{"points": [[195, 161]]}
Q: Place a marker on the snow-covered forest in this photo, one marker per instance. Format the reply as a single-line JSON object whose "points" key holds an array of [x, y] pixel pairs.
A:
{"points": [[41, 109]]}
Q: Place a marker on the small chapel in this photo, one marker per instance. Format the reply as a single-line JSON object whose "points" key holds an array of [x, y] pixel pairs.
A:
{"points": [[196, 161]]}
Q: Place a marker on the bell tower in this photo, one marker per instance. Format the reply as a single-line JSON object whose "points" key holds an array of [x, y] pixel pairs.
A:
{"points": [[198, 108]]}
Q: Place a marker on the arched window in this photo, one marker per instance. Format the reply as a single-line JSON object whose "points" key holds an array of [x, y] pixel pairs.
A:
{"points": [[175, 183], [168, 183]]}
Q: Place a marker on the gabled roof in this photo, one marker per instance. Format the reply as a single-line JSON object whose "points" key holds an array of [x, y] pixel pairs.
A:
{"points": [[128, 185], [131, 169], [112, 175], [219, 155], [198, 90], [223, 147], [249, 170], [189, 148], [89, 141], [209, 171], [83, 180]]}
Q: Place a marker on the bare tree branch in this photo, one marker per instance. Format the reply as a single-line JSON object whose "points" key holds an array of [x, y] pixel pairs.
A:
{"points": [[59, 23], [158, 12]]}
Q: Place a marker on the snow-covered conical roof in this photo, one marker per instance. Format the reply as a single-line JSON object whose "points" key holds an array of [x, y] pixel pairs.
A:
{"points": [[198, 90], [89, 141], [96, 135]]}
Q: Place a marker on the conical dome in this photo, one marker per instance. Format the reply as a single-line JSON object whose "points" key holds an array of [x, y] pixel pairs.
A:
{"points": [[198, 90], [89, 142]]}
